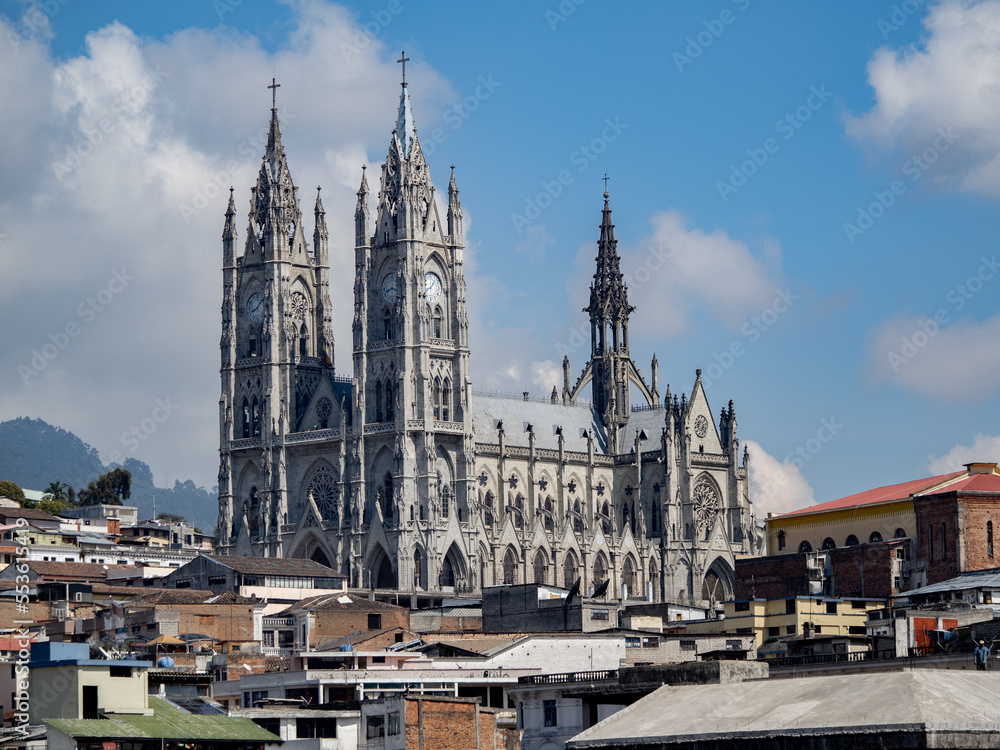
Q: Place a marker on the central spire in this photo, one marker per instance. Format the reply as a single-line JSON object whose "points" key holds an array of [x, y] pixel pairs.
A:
{"points": [[405, 126]]}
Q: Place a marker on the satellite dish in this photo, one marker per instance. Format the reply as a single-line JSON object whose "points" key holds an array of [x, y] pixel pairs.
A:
{"points": [[602, 589], [574, 591]]}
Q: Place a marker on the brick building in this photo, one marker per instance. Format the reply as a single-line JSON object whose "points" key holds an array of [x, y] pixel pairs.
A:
{"points": [[430, 723], [955, 525], [319, 620]]}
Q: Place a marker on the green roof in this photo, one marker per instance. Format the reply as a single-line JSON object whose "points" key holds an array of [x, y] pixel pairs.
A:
{"points": [[169, 722]]}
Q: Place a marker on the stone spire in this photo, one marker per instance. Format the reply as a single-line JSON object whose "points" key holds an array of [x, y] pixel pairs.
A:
{"points": [[609, 310], [229, 231], [405, 127], [361, 229], [275, 204], [454, 210]]}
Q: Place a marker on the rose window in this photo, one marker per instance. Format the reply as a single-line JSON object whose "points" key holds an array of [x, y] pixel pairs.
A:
{"points": [[326, 494], [706, 504]]}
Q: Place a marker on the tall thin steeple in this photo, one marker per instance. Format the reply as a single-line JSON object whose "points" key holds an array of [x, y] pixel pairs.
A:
{"points": [[275, 201]]}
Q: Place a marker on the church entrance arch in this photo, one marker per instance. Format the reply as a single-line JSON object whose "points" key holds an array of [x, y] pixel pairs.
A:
{"points": [[718, 583], [381, 574], [453, 572]]}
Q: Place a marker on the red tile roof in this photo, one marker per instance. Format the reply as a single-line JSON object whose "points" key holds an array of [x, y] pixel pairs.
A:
{"points": [[878, 495], [975, 483]]}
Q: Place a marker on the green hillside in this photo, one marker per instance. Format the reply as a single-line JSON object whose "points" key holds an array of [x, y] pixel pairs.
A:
{"points": [[34, 453]]}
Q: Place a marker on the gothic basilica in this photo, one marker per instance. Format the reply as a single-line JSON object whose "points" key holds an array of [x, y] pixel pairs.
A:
{"points": [[403, 477]]}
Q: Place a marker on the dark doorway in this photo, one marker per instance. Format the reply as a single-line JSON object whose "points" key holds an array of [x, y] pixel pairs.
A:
{"points": [[90, 702]]}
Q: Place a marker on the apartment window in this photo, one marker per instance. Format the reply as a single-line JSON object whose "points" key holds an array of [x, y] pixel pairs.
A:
{"points": [[831, 608], [375, 727], [632, 641], [744, 631], [393, 723], [374, 622], [742, 606], [650, 642], [790, 629], [857, 630], [120, 671], [598, 614], [734, 645], [550, 715], [216, 580], [688, 644], [781, 540], [817, 629], [989, 539], [789, 606], [857, 604], [930, 543], [944, 541], [775, 631]]}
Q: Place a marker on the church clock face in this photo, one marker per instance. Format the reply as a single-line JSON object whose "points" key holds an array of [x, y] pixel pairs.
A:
{"points": [[389, 288], [432, 286], [700, 426], [255, 307]]}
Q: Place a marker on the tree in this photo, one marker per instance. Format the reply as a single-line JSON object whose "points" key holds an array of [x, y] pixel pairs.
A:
{"points": [[169, 518], [109, 489], [56, 491], [55, 507], [11, 491]]}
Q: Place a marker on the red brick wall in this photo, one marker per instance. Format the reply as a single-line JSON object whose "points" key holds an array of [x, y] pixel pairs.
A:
{"points": [[774, 577], [864, 570], [976, 512], [447, 725], [931, 513], [331, 624]]}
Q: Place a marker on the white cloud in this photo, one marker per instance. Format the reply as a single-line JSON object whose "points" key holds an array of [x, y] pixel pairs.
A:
{"points": [[776, 486], [545, 375], [950, 80], [983, 448], [677, 272], [958, 362]]}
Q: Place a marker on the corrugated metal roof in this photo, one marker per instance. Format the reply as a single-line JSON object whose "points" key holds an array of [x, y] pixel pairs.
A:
{"points": [[281, 566], [168, 722]]}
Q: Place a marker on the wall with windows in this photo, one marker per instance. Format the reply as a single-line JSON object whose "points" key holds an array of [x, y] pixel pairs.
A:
{"points": [[844, 527]]}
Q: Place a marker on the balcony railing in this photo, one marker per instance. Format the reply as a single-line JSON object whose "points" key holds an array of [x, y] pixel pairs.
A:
{"points": [[567, 677]]}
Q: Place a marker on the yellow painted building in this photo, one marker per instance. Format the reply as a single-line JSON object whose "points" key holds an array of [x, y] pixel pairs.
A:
{"points": [[802, 615], [875, 515]]}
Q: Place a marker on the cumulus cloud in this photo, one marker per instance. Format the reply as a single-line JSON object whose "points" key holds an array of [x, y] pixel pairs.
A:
{"points": [[674, 273], [776, 486], [983, 448], [951, 80], [119, 162], [956, 362]]}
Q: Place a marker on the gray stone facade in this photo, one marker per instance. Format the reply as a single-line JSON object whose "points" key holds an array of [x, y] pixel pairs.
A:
{"points": [[398, 474]]}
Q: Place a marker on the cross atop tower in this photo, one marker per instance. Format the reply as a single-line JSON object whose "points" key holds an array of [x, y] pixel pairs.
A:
{"points": [[274, 93], [403, 59], [605, 178]]}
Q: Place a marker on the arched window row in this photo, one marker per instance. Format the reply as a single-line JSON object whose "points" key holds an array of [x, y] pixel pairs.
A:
{"points": [[852, 540]]}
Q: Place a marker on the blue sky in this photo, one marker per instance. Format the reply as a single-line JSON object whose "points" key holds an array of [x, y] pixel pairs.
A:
{"points": [[739, 138]]}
